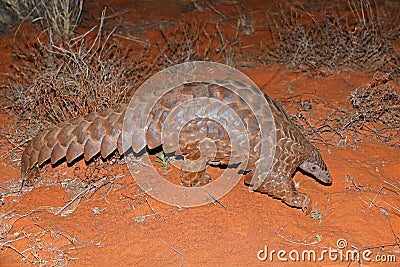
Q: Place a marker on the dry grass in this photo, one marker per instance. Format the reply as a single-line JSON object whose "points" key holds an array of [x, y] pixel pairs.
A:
{"points": [[36, 245], [242, 19], [59, 18], [56, 82], [13, 12], [362, 39], [182, 44], [197, 41], [377, 102], [374, 112]]}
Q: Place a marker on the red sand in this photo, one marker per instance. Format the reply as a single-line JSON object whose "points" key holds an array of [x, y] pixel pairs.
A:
{"points": [[133, 229]]}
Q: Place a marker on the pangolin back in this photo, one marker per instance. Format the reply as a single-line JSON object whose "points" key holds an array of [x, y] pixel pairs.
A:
{"points": [[103, 132]]}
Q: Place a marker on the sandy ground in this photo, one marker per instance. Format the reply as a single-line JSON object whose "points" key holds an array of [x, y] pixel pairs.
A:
{"points": [[122, 226]]}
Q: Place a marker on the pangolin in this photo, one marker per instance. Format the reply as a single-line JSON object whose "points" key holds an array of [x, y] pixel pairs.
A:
{"points": [[101, 133]]}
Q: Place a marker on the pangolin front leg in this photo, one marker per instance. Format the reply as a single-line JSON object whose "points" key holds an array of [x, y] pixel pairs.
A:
{"points": [[282, 187], [211, 143]]}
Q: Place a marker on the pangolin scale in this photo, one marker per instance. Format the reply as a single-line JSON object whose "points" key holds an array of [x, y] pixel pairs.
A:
{"points": [[101, 132]]}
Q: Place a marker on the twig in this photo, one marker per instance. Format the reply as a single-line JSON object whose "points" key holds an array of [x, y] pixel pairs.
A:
{"points": [[79, 195], [71, 239], [296, 242], [392, 185], [133, 39], [21, 254], [151, 208], [2, 244], [110, 185], [392, 230], [174, 249], [215, 199], [378, 193]]}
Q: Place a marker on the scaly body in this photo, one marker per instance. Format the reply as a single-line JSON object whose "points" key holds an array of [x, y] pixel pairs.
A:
{"points": [[101, 132]]}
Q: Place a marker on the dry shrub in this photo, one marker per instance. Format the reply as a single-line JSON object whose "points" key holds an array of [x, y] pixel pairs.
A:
{"points": [[242, 19], [374, 112], [61, 17], [36, 245], [183, 44], [364, 39], [197, 41], [377, 102], [54, 82], [13, 12]]}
